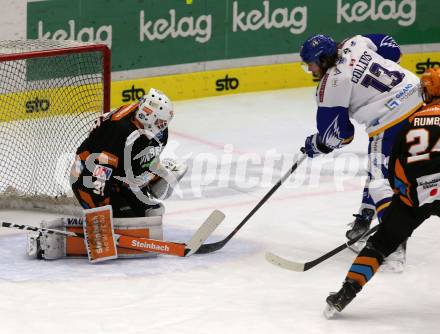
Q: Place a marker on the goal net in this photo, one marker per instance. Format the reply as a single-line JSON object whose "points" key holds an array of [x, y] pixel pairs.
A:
{"points": [[50, 94]]}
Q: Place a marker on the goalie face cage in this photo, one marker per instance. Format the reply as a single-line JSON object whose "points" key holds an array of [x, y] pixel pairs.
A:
{"points": [[50, 95]]}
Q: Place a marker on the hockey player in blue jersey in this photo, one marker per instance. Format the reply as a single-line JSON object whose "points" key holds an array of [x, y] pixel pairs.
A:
{"points": [[360, 79], [415, 177]]}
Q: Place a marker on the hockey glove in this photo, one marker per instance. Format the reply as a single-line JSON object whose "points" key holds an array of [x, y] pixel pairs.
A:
{"points": [[314, 147], [170, 172]]}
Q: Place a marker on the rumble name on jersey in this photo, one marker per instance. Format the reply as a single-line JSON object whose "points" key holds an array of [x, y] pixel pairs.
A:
{"points": [[367, 87]]}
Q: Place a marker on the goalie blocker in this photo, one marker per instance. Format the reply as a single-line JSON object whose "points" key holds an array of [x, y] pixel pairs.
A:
{"points": [[98, 227]]}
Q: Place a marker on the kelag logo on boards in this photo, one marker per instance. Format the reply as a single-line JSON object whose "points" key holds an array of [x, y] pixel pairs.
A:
{"points": [[132, 94], [74, 31], [173, 27], [37, 105], [226, 84], [403, 11], [422, 67], [294, 19]]}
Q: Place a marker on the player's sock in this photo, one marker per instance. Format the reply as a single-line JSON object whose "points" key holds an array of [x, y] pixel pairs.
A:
{"points": [[365, 265]]}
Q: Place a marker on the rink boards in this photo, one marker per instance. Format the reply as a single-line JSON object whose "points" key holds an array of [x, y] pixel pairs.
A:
{"points": [[240, 80]]}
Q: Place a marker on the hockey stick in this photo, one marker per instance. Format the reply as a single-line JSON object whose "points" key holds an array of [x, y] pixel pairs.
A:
{"points": [[212, 247], [304, 266], [144, 244]]}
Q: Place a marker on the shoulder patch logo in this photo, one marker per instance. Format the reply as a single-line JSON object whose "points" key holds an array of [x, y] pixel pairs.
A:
{"points": [[102, 172]]}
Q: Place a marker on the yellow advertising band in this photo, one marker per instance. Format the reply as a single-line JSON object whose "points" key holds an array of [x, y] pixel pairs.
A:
{"points": [[240, 80]]}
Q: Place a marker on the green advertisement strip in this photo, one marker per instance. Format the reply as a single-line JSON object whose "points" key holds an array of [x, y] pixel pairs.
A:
{"points": [[152, 33]]}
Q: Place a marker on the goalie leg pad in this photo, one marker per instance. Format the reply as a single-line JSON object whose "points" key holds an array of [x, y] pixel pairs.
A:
{"points": [[99, 234], [51, 246], [47, 246], [144, 227]]}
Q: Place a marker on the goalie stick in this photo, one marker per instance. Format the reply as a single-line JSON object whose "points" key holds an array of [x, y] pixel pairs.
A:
{"points": [[212, 247], [144, 244], [304, 266]]}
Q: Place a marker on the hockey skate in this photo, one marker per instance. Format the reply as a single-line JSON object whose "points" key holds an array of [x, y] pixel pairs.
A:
{"points": [[395, 262], [358, 227], [339, 300]]}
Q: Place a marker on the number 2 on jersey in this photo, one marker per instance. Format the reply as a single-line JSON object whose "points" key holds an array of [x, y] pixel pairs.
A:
{"points": [[382, 79], [420, 138]]}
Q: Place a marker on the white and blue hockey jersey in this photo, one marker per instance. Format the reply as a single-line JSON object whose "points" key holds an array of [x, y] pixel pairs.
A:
{"points": [[366, 85]]}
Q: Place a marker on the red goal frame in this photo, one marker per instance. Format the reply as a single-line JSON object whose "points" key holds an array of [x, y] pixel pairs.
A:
{"points": [[70, 50]]}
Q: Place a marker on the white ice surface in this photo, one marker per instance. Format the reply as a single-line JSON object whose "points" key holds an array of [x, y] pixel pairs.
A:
{"points": [[233, 290]]}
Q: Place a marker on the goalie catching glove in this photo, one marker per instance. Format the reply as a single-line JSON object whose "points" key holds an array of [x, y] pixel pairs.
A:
{"points": [[167, 173]]}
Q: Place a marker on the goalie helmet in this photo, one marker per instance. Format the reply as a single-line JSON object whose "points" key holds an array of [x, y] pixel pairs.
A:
{"points": [[431, 84], [320, 50], [155, 111]]}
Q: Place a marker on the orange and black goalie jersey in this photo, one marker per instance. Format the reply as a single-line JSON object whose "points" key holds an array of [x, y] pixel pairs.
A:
{"points": [[117, 152], [415, 160]]}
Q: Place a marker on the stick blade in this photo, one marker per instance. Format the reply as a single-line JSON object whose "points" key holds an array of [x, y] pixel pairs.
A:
{"points": [[284, 263], [209, 248], [204, 231]]}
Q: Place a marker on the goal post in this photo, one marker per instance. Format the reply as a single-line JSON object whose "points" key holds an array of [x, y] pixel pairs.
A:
{"points": [[51, 92]]}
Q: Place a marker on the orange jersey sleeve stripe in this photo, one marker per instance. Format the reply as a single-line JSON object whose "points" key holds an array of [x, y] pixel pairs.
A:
{"points": [[84, 155], [86, 198], [108, 158], [124, 111]]}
